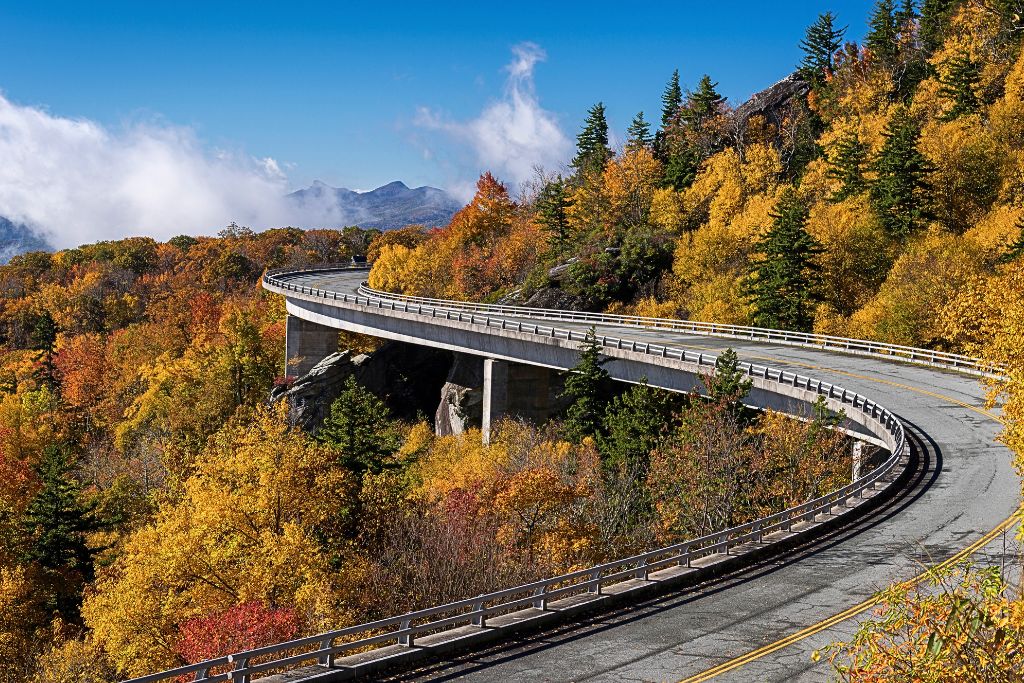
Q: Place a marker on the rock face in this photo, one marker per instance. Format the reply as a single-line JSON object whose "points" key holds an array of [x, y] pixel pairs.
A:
{"points": [[406, 377], [555, 297], [773, 102], [461, 405]]}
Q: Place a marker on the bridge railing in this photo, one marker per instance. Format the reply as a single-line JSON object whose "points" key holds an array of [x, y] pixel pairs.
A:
{"points": [[404, 629]]}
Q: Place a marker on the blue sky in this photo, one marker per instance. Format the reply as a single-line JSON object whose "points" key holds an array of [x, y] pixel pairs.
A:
{"points": [[360, 94]]}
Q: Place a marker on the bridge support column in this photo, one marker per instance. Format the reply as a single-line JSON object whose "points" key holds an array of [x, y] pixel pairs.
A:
{"points": [[495, 394], [306, 344]]}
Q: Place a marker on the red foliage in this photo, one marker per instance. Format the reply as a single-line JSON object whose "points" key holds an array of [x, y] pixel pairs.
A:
{"points": [[236, 629]]}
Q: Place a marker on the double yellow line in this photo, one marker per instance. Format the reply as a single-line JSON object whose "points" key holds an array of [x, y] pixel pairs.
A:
{"points": [[861, 607]]}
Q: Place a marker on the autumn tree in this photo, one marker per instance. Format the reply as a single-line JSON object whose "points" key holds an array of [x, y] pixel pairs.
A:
{"points": [[900, 193], [821, 42], [782, 282], [592, 142]]}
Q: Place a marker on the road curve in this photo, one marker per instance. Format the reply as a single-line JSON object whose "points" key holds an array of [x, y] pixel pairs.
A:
{"points": [[963, 486]]}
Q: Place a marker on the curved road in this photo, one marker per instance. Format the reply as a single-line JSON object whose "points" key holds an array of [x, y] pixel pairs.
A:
{"points": [[963, 486]]}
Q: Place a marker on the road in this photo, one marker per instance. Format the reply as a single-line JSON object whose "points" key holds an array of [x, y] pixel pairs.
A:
{"points": [[963, 486]]}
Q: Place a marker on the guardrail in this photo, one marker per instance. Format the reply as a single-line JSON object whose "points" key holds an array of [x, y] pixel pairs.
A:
{"points": [[324, 648]]}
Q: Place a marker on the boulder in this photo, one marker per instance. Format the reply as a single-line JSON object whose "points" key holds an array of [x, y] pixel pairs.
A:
{"points": [[461, 405]]}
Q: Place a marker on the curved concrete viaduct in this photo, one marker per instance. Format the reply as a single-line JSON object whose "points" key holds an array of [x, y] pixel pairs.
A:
{"points": [[963, 485], [733, 618]]}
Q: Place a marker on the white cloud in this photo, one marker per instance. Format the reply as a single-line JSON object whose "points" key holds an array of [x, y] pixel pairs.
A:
{"points": [[76, 181], [514, 135]]}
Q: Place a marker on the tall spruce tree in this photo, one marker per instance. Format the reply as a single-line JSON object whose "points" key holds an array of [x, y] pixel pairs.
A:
{"points": [[883, 37], [638, 135], [906, 14], [634, 424], [821, 42], [703, 103], [671, 100], [900, 193], [592, 150], [360, 430], [729, 383], [847, 164], [587, 389], [959, 85], [782, 283], [55, 525], [552, 205], [935, 16]]}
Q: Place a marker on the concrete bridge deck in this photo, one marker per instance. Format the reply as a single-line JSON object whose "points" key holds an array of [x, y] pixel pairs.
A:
{"points": [[963, 486]]}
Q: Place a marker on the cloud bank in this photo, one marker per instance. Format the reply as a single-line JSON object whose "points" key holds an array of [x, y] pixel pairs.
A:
{"points": [[513, 135], [75, 181]]}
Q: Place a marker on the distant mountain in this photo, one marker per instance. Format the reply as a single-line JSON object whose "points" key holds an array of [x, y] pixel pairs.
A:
{"points": [[394, 205], [16, 238]]}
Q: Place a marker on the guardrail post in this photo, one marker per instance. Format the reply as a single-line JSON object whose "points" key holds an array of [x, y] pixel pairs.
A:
{"points": [[202, 674], [641, 570], [540, 598], [239, 673], [405, 638], [479, 618], [326, 659], [595, 576]]}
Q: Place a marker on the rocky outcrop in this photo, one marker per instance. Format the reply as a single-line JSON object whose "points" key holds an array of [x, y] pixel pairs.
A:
{"points": [[773, 102], [461, 405], [406, 377]]}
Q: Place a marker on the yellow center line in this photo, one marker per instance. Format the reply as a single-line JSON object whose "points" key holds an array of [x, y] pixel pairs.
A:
{"points": [[860, 607]]}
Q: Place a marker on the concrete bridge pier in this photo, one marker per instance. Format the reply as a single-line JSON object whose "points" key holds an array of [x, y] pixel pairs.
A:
{"points": [[517, 390], [306, 344]]}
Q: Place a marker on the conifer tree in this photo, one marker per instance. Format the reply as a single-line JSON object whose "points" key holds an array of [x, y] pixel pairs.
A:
{"points": [[671, 100], [360, 430], [729, 383], [592, 143], [900, 193], [552, 203], [638, 135], [959, 84], [883, 37], [782, 283], [906, 14], [586, 389], [634, 424], [847, 165], [935, 15], [704, 102], [55, 525], [821, 42], [1015, 249]]}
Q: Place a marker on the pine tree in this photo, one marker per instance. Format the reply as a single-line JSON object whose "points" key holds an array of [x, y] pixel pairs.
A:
{"points": [[671, 100], [1015, 249], [55, 525], [781, 285], [847, 165], [703, 103], [883, 38], [360, 430], [959, 86], [729, 383], [821, 42], [900, 193], [906, 14], [935, 16], [592, 143], [552, 203], [638, 135], [586, 390], [635, 423]]}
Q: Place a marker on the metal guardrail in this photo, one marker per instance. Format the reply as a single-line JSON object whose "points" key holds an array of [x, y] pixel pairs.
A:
{"points": [[324, 648]]}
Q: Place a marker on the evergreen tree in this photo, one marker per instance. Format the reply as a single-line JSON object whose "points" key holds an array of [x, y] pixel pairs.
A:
{"points": [[55, 525], [900, 193], [959, 86], [592, 143], [680, 166], [43, 337], [883, 38], [821, 42], [634, 424], [782, 283], [729, 383], [1015, 249], [847, 166], [935, 15], [552, 203], [360, 429], [671, 100], [587, 390], [703, 103], [906, 14], [638, 135]]}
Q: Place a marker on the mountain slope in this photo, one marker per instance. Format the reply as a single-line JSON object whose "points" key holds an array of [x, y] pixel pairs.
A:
{"points": [[16, 238], [394, 205]]}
